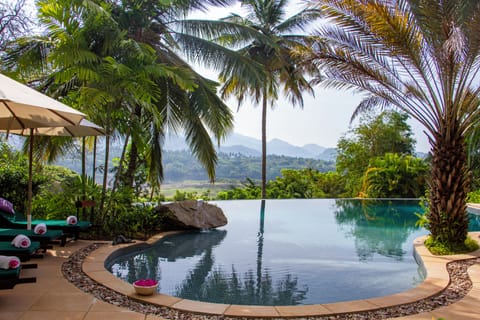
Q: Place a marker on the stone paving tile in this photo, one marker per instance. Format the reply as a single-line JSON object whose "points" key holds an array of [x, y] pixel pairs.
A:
{"points": [[114, 315], [200, 307], [350, 306], [302, 311], [12, 300], [53, 315], [160, 299], [251, 311], [98, 306], [10, 315], [63, 301]]}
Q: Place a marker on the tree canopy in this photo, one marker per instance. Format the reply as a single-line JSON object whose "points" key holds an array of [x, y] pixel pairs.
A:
{"points": [[421, 57]]}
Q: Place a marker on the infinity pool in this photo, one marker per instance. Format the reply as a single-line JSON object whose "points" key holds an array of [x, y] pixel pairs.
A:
{"points": [[287, 252]]}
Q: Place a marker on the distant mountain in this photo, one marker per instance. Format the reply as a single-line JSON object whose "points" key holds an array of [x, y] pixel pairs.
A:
{"points": [[314, 148], [239, 149], [248, 146], [280, 147], [329, 154]]}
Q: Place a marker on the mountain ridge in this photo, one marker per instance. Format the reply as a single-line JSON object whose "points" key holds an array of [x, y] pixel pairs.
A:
{"points": [[248, 146]]}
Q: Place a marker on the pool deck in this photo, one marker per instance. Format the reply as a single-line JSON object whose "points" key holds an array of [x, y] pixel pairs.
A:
{"points": [[54, 297]]}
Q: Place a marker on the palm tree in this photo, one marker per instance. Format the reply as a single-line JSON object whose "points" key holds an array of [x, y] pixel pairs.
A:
{"points": [[83, 55], [188, 103], [266, 40], [422, 57], [121, 58]]}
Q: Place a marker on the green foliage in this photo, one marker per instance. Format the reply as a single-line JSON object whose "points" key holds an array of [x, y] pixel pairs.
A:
{"points": [[249, 191], [124, 215], [181, 166], [400, 58], [473, 196], [375, 136], [137, 221], [395, 176], [306, 184], [445, 248], [299, 184], [56, 200], [14, 177], [422, 221]]}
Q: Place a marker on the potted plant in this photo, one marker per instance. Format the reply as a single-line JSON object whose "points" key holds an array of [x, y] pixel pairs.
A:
{"points": [[145, 287]]}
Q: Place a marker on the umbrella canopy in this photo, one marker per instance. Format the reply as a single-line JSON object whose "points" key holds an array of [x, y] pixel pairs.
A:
{"points": [[22, 107], [83, 129]]}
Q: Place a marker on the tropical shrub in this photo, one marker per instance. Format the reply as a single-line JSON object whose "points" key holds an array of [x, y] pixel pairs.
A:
{"points": [[474, 196], [14, 177], [442, 248], [395, 176], [376, 135]]}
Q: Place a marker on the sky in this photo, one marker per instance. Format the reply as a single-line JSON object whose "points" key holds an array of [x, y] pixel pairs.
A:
{"points": [[323, 119]]}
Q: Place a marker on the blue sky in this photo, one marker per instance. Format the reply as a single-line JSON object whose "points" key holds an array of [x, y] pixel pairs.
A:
{"points": [[323, 120]]}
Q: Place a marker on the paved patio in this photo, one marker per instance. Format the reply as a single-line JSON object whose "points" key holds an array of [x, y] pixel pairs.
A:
{"points": [[53, 297]]}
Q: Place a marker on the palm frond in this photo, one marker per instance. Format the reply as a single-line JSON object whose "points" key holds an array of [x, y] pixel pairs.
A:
{"points": [[299, 21]]}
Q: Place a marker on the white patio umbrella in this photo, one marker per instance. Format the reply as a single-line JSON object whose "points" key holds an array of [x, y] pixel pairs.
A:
{"points": [[84, 129], [22, 107]]}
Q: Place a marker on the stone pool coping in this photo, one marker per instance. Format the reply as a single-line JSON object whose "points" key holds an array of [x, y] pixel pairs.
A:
{"points": [[436, 281]]}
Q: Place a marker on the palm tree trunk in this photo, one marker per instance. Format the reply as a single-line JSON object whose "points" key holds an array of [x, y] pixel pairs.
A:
{"points": [[449, 186], [132, 165], [264, 144], [120, 165], [105, 175], [133, 159]]}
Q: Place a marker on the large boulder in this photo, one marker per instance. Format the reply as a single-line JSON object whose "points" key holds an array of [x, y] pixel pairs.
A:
{"points": [[190, 214]]}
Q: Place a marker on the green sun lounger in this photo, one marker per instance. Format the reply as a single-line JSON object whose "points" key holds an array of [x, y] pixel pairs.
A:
{"points": [[46, 240], [68, 230], [24, 254], [9, 278], [15, 220]]}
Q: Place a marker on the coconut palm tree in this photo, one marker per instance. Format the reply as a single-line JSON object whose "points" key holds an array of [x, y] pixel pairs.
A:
{"points": [[272, 46], [122, 58], [266, 39], [197, 111], [422, 57], [84, 56]]}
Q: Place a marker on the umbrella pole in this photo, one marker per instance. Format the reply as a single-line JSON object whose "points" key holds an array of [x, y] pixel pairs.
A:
{"points": [[84, 175], [30, 175], [94, 157]]}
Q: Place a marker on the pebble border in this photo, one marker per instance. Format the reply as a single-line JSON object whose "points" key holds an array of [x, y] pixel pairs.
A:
{"points": [[460, 284]]}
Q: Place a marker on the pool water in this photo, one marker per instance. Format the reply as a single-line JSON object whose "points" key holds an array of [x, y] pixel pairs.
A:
{"points": [[287, 252]]}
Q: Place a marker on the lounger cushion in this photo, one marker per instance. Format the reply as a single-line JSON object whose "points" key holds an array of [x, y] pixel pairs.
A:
{"points": [[6, 206], [10, 273]]}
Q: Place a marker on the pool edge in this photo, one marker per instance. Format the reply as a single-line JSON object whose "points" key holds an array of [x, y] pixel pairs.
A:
{"points": [[436, 281]]}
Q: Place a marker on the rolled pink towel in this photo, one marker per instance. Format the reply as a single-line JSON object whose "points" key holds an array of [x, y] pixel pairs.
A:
{"points": [[21, 241], [72, 220], [40, 228], [9, 262]]}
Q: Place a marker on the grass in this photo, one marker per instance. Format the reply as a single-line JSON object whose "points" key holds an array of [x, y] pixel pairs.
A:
{"points": [[443, 249], [198, 187]]}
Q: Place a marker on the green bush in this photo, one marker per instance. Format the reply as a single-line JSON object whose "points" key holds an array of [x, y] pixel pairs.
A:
{"points": [[440, 248], [14, 177], [474, 196]]}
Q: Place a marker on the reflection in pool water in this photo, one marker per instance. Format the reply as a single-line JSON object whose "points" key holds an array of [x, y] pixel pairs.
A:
{"points": [[287, 252]]}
